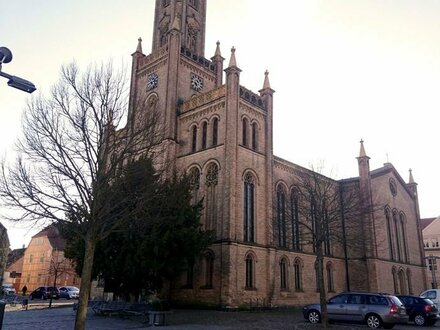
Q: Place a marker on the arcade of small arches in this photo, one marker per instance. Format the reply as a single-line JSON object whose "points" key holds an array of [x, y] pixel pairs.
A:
{"points": [[201, 139]]}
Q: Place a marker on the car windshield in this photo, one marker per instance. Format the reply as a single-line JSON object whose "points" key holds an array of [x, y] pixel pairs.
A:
{"points": [[395, 300]]}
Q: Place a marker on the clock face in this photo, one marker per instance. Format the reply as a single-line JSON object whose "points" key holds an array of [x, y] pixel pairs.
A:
{"points": [[152, 80], [196, 83]]}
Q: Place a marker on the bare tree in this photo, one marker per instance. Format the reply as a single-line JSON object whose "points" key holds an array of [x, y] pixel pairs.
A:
{"points": [[59, 266], [71, 151], [327, 217]]}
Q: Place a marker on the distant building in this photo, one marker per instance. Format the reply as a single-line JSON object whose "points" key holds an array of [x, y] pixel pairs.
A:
{"points": [[431, 242], [44, 262], [4, 250], [221, 133], [14, 268]]}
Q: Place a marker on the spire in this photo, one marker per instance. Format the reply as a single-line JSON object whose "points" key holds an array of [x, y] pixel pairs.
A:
{"points": [[362, 152], [411, 178], [232, 61], [266, 84], [139, 46], [217, 50]]}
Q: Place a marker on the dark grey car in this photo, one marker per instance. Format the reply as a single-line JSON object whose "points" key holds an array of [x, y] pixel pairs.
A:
{"points": [[376, 310]]}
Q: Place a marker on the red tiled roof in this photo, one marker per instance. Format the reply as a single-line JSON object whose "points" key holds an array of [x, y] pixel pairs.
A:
{"points": [[426, 222]]}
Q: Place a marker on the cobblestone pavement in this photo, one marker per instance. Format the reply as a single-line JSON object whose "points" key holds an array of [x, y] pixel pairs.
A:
{"points": [[63, 318]]}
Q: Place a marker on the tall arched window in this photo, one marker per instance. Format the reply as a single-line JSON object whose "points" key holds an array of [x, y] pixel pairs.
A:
{"points": [[281, 216], [254, 136], [209, 270], [204, 134], [297, 270], [390, 233], [283, 274], [215, 132], [403, 236], [211, 185], [397, 235], [248, 208], [250, 271], [330, 278], [194, 177], [194, 139], [402, 282], [294, 200], [326, 227], [244, 131]]}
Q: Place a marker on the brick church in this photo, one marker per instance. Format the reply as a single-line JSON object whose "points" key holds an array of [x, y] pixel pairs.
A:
{"points": [[221, 133]]}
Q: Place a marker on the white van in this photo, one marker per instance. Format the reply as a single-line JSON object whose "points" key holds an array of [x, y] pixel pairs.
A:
{"points": [[432, 294]]}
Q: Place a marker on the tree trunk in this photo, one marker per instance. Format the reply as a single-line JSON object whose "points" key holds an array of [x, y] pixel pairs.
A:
{"points": [[86, 278], [321, 286]]}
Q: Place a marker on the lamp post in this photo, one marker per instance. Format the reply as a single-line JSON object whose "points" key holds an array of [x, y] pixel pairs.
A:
{"points": [[14, 81]]}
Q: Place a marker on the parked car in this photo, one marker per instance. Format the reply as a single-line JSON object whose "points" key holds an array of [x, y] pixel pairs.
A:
{"points": [[69, 292], [45, 292], [421, 311], [8, 289], [373, 309], [433, 295]]}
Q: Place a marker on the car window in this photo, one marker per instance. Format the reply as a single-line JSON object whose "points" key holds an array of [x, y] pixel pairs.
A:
{"points": [[395, 300], [431, 294], [377, 300], [339, 299], [356, 299]]}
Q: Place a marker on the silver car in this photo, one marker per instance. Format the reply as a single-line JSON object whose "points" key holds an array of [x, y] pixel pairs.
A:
{"points": [[69, 292], [376, 310]]}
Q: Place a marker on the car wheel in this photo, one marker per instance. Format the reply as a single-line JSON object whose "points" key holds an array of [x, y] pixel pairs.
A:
{"points": [[373, 321], [314, 316], [420, 320]]}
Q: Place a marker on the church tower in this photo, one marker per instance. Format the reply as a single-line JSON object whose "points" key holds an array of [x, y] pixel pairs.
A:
{"points": [[192, 14]]}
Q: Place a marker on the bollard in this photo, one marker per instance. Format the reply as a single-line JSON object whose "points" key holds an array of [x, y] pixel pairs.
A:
{"points": [[2, 312]]}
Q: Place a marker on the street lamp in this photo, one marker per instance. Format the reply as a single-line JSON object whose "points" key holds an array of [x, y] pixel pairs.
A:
{"points": [[16, 82]]}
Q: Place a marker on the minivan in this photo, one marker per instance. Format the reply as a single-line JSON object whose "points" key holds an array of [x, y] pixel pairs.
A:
{"points": [[433, 295]]}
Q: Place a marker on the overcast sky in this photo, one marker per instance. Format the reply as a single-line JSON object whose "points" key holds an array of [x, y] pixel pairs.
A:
{"points": [[343, 70]]}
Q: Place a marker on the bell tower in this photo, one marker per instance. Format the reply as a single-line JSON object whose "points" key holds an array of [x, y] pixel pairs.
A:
{"points": [[192, 14]]}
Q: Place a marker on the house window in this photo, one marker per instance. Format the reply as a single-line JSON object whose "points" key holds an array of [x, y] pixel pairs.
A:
{"points": [[215, 132], [204, 134], [189, 274], [403, 237], [281, 215], [408, 277], [194, 139], [283, 274], [396, 286], [249, 272], [248, 208], [297, 273], [31, 258], [397, 236]]}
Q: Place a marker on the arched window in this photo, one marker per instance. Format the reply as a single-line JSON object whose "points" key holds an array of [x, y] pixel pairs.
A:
{"points": [[204, 134], [294, 200], [194, 139], [283, 274], [215, 132], [211, 185], [281, 216], [189, 274], [248, 208], [250, 272], [297, 269], [397, 235], [408, 277], [209, 269], [244, 131], [390, 233], [403, 237], [254, 136], [396, 286], [330, 279], [194, 177], [402, 282]]}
